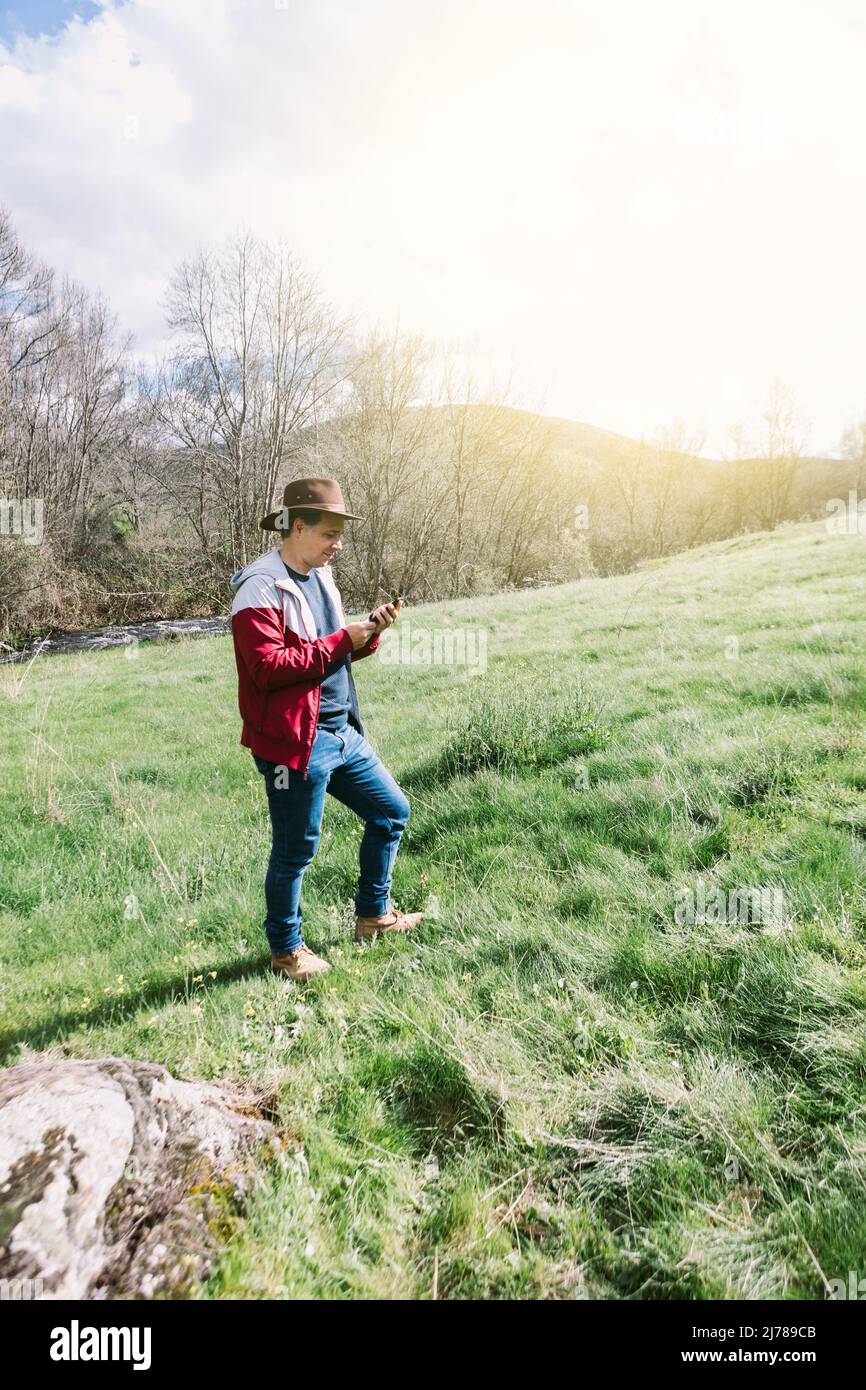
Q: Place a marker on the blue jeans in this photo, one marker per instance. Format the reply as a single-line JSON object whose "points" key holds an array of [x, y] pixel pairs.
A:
{"points": [[344, 764]]}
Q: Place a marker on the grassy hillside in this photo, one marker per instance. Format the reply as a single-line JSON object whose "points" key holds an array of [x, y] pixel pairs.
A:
{"points": [[557, 1087]]}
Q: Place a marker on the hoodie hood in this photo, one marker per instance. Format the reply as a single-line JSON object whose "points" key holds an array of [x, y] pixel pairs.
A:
{"points": [[271, 565], [268, 564], [253, 567]]}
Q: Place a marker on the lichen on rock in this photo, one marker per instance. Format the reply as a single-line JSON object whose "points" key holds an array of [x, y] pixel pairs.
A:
{"points": [[117, 1179]]}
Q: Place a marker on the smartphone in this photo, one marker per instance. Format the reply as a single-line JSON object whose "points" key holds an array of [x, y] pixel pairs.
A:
{"points": [[397, 602]]}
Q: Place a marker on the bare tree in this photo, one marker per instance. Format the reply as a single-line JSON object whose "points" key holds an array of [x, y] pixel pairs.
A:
{"points": [[737, 450], [258, 353], [385, 435], [782, 444], [630, 479], [530, 516], [66, 406], [853, 448], [497, 461], [680, 507], [27, 332], [25, 284], [469, 432]]}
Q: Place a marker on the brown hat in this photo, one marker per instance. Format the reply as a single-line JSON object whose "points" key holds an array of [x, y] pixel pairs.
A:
{"points": [[315, 494]]}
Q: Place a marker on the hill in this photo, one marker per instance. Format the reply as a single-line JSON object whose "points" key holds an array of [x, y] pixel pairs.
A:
{"points": [[623, 1056]]}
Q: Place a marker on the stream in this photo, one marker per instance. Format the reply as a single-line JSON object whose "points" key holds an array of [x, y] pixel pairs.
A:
{"points": [[116, 636]]}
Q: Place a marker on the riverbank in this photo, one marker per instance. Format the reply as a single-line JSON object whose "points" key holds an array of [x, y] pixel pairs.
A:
{"points": [[117, 636]]}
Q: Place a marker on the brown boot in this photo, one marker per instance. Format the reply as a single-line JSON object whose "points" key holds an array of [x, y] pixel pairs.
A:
{"points": [[390, 921], [301, 964]]}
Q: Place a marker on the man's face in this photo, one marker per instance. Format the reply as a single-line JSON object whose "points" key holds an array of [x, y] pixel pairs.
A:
{"points": [[320, 543]]}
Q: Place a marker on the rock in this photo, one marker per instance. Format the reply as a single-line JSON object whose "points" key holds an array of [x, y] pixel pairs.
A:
{"points": [[115, 1177]]}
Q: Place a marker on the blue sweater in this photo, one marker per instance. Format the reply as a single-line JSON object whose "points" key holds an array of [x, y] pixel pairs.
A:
{"points": [[336, 697]]}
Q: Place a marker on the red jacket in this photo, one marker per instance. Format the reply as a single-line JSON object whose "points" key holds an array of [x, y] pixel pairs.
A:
{"points": [[281, 661]]}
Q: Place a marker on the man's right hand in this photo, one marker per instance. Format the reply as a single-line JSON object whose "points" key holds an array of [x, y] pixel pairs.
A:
{"points": [[360, 633]]}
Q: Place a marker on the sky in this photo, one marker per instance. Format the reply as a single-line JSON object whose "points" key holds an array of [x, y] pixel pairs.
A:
{"points": [[645, 212]]}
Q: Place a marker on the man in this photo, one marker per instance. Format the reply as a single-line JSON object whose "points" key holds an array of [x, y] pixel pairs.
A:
{"points": [[294, 653]]}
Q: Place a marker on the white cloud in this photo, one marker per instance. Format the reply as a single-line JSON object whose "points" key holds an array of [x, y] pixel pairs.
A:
{"points": [[652, 209]]}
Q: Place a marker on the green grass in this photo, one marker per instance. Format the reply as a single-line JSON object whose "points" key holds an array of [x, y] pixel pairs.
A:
{"points": [[554, 1088]]}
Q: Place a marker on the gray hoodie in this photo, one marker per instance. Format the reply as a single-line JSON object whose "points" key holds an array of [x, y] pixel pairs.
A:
{"points": [[265, 582]]}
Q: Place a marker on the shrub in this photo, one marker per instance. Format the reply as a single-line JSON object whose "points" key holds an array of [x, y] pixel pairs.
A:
{"points": [[525, 725]]}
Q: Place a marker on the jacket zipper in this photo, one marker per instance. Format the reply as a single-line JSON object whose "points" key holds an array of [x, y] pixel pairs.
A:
{"points": [[318, 690], [315, 721], [318, 696]]}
